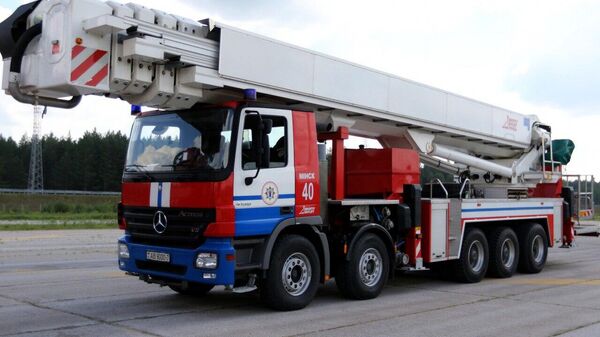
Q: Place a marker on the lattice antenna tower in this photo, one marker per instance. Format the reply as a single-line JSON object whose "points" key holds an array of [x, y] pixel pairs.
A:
{"points": [[36, 171]]}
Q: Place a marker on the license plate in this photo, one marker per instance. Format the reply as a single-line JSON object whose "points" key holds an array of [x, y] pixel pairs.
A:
{"points": [[156, 256]]}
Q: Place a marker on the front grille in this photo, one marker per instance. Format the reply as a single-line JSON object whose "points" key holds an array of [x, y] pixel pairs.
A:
{"points": [[161, 267], [184, 226]]}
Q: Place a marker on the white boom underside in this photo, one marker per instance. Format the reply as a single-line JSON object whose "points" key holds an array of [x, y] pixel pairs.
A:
{"points": [[171, 62]]}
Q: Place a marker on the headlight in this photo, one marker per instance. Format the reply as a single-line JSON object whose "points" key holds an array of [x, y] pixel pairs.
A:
{"points": [[123, 251], [206, 260]]}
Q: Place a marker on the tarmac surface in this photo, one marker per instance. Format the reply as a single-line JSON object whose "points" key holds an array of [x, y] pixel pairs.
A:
{"points": [[66, 283]]}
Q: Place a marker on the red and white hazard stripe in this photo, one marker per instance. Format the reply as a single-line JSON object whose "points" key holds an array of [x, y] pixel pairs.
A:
{"points": [[89, 66], [418, 253]]}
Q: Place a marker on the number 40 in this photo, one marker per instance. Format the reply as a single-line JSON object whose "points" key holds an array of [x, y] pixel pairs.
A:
{"points": [[308, 191]]}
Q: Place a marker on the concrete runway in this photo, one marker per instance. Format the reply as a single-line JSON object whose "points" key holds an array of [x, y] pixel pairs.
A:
{"points": [[66, 283]]}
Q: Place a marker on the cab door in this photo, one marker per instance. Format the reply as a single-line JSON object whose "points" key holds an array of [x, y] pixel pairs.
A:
{"points": [[269, 198]]}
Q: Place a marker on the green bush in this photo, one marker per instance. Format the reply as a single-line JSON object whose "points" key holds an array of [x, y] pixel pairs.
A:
{"points": [[61, 207], [56, 207]]}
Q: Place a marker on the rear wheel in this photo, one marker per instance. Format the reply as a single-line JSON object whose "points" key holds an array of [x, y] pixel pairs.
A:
{"points": [[293, 275], [193, 289], [534, 249], [473, 262], [504, 252], [365, 273]]}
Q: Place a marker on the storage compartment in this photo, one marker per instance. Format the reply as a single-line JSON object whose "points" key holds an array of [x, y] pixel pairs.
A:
{"points": [[435, 222], [380, 172]]}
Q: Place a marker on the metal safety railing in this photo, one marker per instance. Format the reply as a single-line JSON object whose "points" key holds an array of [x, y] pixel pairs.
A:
{"points": [[583, 186], [548, 175]]}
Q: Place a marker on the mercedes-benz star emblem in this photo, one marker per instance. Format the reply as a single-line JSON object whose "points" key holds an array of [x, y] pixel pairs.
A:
{"points": [[159, 222]]}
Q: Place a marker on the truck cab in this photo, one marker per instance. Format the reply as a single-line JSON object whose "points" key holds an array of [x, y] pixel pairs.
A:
{"points": [[204, 189]]}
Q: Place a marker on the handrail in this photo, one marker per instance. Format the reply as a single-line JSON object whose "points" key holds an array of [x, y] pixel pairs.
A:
{"points": [[441, 184], [463, 187]]}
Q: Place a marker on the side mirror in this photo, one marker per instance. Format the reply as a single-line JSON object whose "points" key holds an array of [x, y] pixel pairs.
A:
{"points": [[263, 153]]}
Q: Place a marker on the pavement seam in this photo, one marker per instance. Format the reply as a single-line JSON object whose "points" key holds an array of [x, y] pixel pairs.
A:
{"points": [[93, 319], [487, 299], [510, 297], [68, 327], [574, 329], [507, 295], [63, 300], [185, 312], [553, 304], [392, 316], [55, 282]]}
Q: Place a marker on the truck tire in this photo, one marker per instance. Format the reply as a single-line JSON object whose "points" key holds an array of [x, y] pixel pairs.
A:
{"points": [[504, 252], [293, 275], [474, 256], [193, 289], [364, 274], [534, 249]]}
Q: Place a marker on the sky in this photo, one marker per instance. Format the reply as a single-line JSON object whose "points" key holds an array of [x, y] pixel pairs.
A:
{"points": [[533, 57]]}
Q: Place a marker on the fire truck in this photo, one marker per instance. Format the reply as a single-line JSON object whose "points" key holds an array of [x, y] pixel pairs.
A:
{"points": [[228, 180]]}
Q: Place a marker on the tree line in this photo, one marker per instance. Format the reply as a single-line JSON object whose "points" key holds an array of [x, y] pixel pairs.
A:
{"points": [[93, 162]]}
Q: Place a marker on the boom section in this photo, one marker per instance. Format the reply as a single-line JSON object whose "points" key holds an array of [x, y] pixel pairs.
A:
{"points": [[151, 58]]}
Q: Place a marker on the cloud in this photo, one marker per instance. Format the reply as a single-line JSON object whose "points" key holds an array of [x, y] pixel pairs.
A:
{"points": [[559, 65], [525, 56]]}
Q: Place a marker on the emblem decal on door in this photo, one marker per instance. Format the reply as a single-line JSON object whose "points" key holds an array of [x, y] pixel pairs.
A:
{"points": [[270, 193]]}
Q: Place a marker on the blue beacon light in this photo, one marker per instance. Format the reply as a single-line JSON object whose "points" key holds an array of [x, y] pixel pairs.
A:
{"points": [[250, 94], [135, 109]]}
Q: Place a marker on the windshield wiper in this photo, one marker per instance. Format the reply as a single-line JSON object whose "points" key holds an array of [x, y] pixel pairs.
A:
{"points": [[141, 169]]}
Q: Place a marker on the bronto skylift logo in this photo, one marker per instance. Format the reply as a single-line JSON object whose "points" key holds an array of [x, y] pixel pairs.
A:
{"points": [[510, 124]]}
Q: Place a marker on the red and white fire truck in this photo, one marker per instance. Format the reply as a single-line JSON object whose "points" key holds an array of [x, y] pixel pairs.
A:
{"points": [[227, 182]]}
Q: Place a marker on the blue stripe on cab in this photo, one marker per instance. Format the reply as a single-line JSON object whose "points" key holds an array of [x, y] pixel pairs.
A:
{"points": [[259, 197], [258, 221], [506, 209], [159, 196]]}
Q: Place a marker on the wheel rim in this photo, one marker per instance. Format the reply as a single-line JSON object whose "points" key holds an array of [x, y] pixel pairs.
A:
{"points": [[508, 253], [476, 256], [370, 268], [537, 248], [296, 274]]}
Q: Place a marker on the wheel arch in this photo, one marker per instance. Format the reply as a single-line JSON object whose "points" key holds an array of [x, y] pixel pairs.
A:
{"points": [[306, 227], [378, 230]]}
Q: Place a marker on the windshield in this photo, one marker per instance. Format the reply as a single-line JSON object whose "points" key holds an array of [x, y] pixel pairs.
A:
{"points": [[180, 141]]}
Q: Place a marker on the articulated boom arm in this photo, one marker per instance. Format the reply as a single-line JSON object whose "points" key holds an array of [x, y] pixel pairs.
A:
{"points": [[69, 48]]}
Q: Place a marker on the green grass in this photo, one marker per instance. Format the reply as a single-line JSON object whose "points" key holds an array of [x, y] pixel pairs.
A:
{"points": [[67, 208], [26, 203], [24, 227], [58, 216]]}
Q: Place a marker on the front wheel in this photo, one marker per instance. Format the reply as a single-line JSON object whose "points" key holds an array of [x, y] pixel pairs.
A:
{"points": [[293, 276], [364, 274]]}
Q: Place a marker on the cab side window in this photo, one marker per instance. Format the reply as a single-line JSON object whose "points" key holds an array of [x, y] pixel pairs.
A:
{"points": [[276, 141]]}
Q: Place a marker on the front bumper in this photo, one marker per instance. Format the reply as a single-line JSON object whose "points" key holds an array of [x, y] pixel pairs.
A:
{"points": [[182, 264]]}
